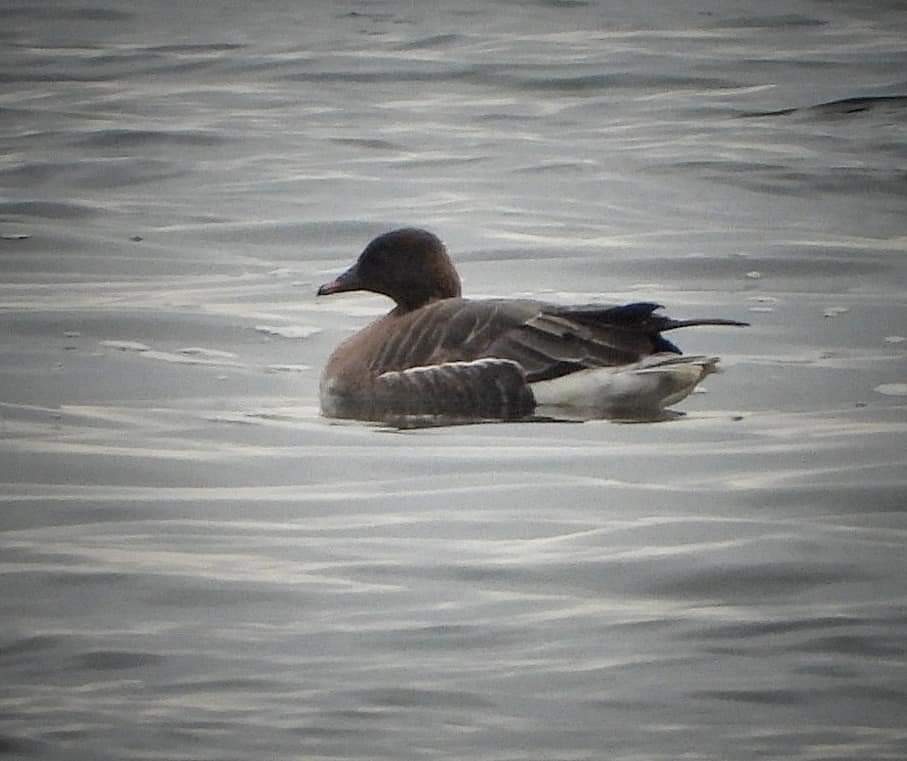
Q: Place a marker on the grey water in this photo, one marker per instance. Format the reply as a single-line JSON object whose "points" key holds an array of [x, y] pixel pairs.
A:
{"points": [[197, 565]]}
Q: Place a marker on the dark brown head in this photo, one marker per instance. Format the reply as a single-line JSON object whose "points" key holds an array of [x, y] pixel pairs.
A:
{"points": [[409, 265]]}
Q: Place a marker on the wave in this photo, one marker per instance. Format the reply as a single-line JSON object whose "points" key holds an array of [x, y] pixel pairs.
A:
{"points": [[893, 104]]}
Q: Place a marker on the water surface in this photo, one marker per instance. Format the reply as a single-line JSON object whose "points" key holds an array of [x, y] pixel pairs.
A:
{"points": [[196, 565]]}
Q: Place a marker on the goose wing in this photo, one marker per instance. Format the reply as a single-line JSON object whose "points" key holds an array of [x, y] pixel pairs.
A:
{"points": [[450, 330], [545, 340], [560, 340]]}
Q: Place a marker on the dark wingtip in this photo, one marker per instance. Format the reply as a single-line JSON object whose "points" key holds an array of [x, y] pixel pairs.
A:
{"points": [[674, 324]]}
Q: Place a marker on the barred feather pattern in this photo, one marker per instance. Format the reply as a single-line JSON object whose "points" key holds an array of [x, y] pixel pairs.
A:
{"points": [[479, 358]]}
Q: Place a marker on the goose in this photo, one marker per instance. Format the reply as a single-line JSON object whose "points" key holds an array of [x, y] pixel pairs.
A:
{"points": [[437, 353]]}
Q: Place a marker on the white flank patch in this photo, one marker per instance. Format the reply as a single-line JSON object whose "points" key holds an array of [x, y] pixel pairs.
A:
{"points": [[656, 382], [486, 361]]}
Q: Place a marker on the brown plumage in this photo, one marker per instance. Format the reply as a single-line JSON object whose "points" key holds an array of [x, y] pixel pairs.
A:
{"points": [[438, 353]]}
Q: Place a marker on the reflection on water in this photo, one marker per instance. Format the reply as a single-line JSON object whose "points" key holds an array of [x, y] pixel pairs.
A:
{"points": [[543, 414], [198, 565]]}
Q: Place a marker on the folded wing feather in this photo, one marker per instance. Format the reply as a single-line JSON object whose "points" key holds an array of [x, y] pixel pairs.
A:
{"points": [[486, 387]]}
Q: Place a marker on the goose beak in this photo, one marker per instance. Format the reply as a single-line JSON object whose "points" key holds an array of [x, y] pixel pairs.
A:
{"points": [[348, 281]]}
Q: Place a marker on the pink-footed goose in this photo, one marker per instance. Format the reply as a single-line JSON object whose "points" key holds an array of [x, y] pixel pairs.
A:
{"points": [[436, 353]]}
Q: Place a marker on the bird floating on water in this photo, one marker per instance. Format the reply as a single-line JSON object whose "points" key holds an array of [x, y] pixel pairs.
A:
{"points": [[439, 354]]}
